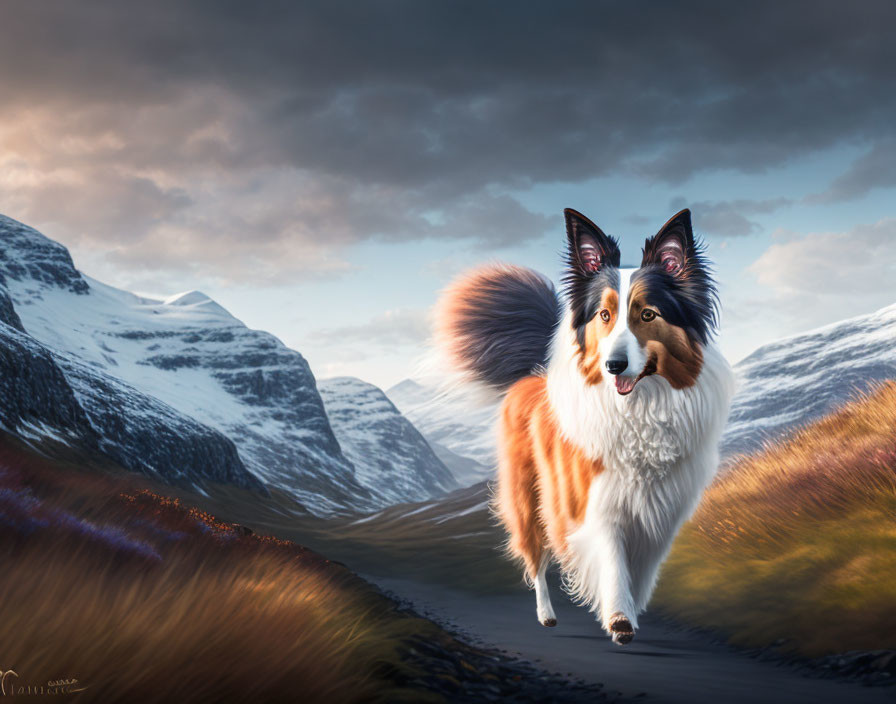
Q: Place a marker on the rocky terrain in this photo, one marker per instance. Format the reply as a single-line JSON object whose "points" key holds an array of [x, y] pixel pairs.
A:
{"points": [[458, 426], [390, 456]]}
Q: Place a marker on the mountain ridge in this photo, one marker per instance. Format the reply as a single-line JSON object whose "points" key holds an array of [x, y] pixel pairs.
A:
{"points": [[386, 449]]}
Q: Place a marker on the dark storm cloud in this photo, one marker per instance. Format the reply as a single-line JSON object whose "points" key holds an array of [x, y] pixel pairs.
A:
{"points": [[875, 169], [317, 123]]}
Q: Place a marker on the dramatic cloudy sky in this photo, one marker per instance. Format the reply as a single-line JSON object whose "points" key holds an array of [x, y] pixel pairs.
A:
{"points": [[322, 169]]}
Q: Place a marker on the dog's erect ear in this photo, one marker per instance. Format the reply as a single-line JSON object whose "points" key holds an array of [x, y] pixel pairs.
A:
{"points": [[672, 248], [589, 252], [676, 253], [589, 248]]}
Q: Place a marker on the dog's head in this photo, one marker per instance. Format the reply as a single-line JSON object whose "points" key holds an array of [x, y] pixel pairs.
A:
{"points": [[631, 323]]}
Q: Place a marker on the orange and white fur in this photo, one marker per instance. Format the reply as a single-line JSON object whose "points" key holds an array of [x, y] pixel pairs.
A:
{"points": [[615, 400]]}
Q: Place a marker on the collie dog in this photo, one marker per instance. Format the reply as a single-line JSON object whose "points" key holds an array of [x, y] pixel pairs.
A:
{"points": [[615, 400]]}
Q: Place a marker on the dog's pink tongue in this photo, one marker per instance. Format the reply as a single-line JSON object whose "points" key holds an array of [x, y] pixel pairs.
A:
{"points": [[624, 384]]}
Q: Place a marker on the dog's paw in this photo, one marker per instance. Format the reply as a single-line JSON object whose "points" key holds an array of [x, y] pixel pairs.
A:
{"points": [[621, 629], [548, 621]]}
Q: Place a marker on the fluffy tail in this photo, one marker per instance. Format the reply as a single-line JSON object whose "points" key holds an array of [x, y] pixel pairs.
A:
{"points": [[495, 323]]}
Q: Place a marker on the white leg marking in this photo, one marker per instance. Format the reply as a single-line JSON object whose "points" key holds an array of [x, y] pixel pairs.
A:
{"points": [[614, 580], [542, 597], [598, 571]]}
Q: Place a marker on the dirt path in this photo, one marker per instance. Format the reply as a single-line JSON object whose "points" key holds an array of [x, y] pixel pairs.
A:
{"points": [[663, 664]]}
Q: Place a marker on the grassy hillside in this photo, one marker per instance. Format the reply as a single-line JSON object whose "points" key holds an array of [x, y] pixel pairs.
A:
{"points": [[798, 542], [142, 598]]}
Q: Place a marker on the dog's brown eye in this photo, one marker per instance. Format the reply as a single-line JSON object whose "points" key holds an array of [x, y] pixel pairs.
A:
{"points": [[647, 315], [605, 315]]}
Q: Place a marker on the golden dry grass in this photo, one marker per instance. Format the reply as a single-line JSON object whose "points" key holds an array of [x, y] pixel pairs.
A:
{"points": [[141, 598], [798, 542]]}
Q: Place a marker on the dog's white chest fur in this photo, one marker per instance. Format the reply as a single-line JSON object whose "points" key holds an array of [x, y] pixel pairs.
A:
{"points": [[659, 449]]}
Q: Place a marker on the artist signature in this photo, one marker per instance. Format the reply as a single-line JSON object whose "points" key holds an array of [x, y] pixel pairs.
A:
{"points": [[11, 687]]}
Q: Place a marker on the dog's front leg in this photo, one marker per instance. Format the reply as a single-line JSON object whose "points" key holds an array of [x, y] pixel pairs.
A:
{"points": [[617, 608]]}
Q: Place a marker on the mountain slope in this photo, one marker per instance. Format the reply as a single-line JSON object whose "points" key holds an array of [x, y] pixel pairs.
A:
{"points": [[798, 379], [138, 366], [465, 471], [45, 398], [451, 420], [390, 456]]}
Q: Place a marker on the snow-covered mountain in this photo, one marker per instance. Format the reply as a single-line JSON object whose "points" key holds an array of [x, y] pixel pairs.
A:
{"points": [[58, 398], [460, 430], [800, 378], [781, 385], [173, 387], [390, 456]]}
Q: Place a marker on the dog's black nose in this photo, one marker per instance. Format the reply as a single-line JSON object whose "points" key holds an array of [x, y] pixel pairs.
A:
{"points": [[616, 366]]}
